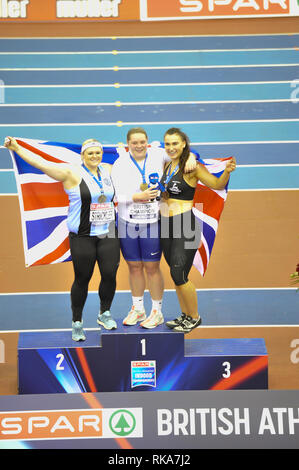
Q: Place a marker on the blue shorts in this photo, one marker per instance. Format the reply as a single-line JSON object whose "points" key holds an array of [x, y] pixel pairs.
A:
{"points": [[139, 242]]}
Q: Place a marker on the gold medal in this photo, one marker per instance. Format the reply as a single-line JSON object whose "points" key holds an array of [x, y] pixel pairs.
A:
{"points": [[143, 187], [102, 198]]}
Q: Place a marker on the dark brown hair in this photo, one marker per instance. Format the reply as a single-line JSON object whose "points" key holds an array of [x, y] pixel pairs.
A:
{"points": [[186, 151]]}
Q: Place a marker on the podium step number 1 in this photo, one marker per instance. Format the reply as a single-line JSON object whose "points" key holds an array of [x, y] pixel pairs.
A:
{"points": [[50, 362]]}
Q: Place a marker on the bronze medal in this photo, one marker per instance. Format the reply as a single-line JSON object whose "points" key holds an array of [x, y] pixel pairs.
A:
{"points": [[102, 198], [143, 186], [165, 195]]}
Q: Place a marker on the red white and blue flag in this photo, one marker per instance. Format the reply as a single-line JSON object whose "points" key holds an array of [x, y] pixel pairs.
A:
{"points": [[208, 205], [44, 204]]}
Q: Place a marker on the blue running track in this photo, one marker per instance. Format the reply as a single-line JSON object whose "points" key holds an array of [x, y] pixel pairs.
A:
{"points": [[233, 95]]}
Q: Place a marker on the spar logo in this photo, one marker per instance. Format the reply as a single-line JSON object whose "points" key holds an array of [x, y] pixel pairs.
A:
{"points": [[151, 10], [122, 422], [87, 8], [189, 6], [71, 424]]}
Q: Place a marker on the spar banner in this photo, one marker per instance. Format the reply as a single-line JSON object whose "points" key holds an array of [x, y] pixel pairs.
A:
{"points": [[68, 10], [157, 10], [248, 419], [144, 10]]}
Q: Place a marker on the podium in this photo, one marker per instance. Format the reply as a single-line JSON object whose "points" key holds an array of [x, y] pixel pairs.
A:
{"points": [[135, 359]]}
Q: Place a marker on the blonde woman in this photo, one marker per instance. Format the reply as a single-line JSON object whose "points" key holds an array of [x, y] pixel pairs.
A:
{"points": [[90, 191]]}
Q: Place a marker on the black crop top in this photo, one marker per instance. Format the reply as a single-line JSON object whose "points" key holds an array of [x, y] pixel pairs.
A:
{"points": [[177, 186]]}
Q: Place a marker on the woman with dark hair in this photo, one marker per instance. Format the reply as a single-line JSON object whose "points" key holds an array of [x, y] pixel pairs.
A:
{"points": [[180, 229], [139, 224]]}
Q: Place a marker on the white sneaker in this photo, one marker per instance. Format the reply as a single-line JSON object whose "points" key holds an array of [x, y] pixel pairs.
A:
{"points": [[155, 319], [134, 316]]}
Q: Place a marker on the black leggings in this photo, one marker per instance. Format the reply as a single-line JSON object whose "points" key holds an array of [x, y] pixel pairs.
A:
{"points": [[86, 251], [180, 239]]}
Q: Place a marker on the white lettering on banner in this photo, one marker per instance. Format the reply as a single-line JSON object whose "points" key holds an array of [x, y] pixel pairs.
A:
{"points": [[38, 422], [89, 420], [282, 3], [281, 422], [212, 3], [292, 420], [14, 425], [2, 352], [226, 421], [74, 424], [254, 4], [63, 423], [202, 421], [245, 3], [196, 6], [11, 426], [191, 6], [295, 353], [87, 8], [13, 8]]}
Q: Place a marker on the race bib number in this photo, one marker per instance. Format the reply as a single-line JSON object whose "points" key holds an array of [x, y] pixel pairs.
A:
{"points": [[101, 213], [147, 211]]}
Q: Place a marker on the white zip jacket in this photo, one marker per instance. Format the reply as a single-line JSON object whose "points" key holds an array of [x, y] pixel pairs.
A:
{"points": [[127, 180]]}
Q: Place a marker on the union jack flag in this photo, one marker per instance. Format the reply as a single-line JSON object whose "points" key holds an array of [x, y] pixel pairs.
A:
{"points": [[208, 205], [44, 203]]}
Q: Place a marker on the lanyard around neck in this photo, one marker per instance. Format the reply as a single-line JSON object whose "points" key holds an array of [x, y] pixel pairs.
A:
{"points": [[97, 180], [141, 170], [168, 175]]}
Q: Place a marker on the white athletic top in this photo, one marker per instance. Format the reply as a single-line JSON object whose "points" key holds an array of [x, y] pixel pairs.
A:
{"points": [[127, 180]]}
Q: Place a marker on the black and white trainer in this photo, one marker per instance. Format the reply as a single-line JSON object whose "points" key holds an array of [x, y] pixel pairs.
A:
{"points": [[173, 323], [187, 324]]}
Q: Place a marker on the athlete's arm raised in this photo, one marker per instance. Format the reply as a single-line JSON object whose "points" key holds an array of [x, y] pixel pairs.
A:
{"points": [[212, 181], [58, 171]]}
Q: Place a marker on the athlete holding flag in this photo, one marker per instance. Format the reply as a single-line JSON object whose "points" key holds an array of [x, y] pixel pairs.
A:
{"points": [[91, 225], [139, 224]]}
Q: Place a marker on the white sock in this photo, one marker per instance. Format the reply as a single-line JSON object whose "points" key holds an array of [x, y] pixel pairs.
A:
{"points": [[138, 303], [157, 305]]}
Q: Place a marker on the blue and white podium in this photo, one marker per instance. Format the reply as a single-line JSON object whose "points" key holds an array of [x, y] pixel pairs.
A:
{"points": [[135, 359]]}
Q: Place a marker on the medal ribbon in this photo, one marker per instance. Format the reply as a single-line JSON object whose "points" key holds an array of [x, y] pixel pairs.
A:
{"points": [[141, 170], [98, 181], [169, 176]]}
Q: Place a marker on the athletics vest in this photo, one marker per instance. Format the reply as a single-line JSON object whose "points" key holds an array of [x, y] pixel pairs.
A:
{"points": [[177, 186], [80, 199]]}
